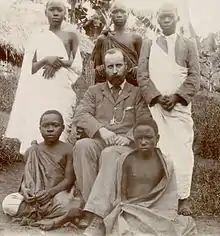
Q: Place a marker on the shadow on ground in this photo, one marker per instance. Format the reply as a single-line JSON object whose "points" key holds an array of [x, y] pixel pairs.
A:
{"points": [[9, 181]]}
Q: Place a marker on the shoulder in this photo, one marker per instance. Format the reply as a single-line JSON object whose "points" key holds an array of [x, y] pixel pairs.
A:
{"points": [[137, 38], [134, 90], [71, 35], [66, 148], [96, 88], [190, 43]]}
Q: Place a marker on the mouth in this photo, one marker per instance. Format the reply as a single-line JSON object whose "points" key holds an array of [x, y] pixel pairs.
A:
{"points": [[56, 20]]}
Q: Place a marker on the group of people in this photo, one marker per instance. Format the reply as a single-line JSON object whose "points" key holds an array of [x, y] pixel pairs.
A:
{"points": [[133, 170]]}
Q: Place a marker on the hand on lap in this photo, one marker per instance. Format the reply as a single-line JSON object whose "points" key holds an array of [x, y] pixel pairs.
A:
{"points": [[122, 141], [107, 135], [44, 196]]}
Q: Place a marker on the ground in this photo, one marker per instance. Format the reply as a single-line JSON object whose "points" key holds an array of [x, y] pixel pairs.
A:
{"points": [[9, 181]]}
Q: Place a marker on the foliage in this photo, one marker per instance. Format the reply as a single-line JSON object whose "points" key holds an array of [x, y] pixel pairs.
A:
{"points": [[8, 86], [205, 193], [9, 151], [206, 116]]}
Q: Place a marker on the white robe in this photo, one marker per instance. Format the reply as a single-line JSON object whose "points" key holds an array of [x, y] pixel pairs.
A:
{"points": [[175, 127], [35, 94]]}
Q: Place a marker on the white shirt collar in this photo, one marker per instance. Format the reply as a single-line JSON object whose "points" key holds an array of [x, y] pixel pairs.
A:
{"points": [[171, 37], [121, 86]]}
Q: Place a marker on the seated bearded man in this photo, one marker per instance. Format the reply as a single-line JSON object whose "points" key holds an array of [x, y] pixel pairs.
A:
{"points": [[44, 199]]}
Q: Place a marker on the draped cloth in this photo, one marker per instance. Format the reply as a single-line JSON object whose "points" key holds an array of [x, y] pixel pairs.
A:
{"points": [[44, 170], [151, 215], [176, 126], [35, 94], [131, 57]]}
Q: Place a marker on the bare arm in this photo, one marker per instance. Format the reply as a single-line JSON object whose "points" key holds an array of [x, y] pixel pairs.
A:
{"points": [[137, 44], [74, 46], [148, 89], [124, 180], [37, 65], [69, 176], [191, 84]]}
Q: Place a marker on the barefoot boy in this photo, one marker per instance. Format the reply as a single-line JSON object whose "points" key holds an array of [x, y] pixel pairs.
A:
{"points": [[141, 197], [44, 198]]}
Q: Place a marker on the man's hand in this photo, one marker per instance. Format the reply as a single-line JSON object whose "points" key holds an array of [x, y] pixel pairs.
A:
{"points": [[107, 135], [44, 197], [55, 62], [49, 71], [122, 141], [171, 101]]}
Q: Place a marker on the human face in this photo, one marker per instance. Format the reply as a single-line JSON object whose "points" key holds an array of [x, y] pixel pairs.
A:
{"points": [[145, 138], [55, 12], [167, 19], [51, 128], [119, 16], [115, 68]]}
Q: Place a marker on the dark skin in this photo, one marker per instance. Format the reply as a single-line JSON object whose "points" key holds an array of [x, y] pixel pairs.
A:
{"points": [[51, 127], [142, 170], [167, 19], [131, 40], [55, 12]]}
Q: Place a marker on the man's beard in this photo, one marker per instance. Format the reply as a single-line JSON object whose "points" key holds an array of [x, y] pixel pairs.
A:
{"points": [[116, 80]]}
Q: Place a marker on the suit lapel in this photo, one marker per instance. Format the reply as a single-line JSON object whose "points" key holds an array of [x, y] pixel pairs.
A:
{"points": [[107, 92], [125, 93]]}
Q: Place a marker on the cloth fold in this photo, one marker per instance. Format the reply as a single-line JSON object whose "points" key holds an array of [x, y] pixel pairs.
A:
{"points": [[154, 214], [35, 94]]}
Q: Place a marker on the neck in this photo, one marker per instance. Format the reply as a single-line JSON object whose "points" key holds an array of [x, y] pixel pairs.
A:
{"points": [[55, 28], [147, 154], [51, 143], [168, 33], [119, 28]]}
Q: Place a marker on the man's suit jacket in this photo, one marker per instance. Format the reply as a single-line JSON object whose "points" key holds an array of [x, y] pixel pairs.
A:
{"points": [[186, 55], [98, 106]]}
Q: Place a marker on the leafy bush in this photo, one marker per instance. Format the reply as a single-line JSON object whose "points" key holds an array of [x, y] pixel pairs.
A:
{"points": [[205, 194], [8, 86], [206, 115], [9, 151]]}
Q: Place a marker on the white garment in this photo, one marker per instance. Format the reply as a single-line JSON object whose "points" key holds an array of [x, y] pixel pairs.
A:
{"points": [[175, 127], [35, 94]]}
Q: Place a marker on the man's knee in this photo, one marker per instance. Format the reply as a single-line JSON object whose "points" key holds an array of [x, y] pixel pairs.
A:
{"points": [[112, 153]]}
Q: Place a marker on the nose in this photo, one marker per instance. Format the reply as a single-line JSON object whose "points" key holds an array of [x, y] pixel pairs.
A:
{"points": [[166, 20], [144, 141], [50, 129], [55, 13], [115, 71]]}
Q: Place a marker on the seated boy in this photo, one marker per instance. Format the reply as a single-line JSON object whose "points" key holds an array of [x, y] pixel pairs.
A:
{"points": [[44, 198], [145, 200]]}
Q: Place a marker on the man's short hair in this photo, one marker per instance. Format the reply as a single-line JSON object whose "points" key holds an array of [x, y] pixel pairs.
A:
{"points": [[113, 51], [147, 122], [54, 112]]}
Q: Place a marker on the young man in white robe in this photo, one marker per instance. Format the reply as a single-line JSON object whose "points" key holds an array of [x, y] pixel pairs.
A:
{"points": [[51, 64], [169, 78]]}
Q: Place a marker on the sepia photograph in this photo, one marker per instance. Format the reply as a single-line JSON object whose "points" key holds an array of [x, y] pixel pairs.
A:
{"points": [[109, 117]]}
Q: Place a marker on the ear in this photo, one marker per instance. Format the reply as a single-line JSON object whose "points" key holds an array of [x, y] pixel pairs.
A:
{"points": [[158, 138], [177, 19], [45, 12]]}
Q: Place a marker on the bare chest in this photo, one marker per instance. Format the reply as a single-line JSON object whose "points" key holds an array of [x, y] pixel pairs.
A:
{"points": [[146, 171], [125, 39]]}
